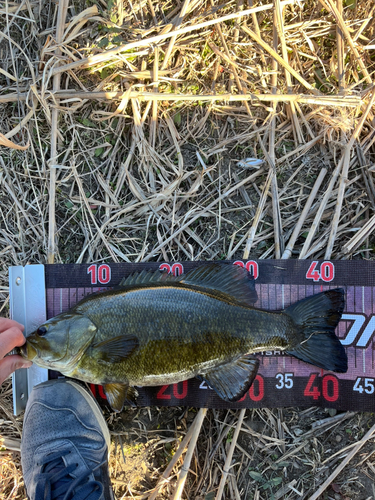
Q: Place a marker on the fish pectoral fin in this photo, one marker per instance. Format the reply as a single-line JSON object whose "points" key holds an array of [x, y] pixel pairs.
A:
{"points": [[119, 394], [118, 348], [233, 380]]}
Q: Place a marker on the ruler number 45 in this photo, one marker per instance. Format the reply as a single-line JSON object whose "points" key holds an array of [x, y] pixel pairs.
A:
{"points": [[285, 381], [367, 385]]}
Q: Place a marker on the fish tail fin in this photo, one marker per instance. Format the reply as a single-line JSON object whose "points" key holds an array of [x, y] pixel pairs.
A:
{"points": [[316, 318]]}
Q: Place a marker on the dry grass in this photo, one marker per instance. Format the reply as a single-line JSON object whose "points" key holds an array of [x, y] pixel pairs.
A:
{"points": [[140, 118]]}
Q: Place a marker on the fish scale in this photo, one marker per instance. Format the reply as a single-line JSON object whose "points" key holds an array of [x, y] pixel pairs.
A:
{"points": [[199, 327]]}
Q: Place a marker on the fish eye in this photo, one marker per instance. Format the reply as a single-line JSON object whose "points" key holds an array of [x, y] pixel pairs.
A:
{"points": [[41, 331]]}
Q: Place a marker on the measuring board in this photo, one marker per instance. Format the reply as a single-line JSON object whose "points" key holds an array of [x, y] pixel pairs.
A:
{"points": [[41, 292]]}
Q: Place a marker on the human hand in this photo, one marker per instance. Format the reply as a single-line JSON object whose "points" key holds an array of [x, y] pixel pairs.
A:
{"points": [[10, 337]]}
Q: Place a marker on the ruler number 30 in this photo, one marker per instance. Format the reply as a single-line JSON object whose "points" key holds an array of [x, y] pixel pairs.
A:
{"points": [[285, 381]]}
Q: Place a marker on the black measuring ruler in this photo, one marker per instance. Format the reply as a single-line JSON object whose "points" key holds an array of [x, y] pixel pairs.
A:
{"points": [[281, 380]]}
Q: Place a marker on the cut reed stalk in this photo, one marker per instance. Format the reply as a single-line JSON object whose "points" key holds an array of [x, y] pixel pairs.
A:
{"points": [[360, 237], [154, 118], [277, 224], [228, 460], [185, 466], [51, 250], [289, 248], [258, 214], [351, 101], [257, 30], [165, 476], [280, 60], [344, 177], [172, 41], [345, 31], [233, 65], [346, 460], [340, 52], [319, 213], [290, 106]]}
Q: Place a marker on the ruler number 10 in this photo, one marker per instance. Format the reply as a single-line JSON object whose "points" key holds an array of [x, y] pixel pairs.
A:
{"points": [[101, 274], [285, 381]]}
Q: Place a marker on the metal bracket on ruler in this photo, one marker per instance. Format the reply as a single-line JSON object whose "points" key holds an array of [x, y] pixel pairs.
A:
{"points": [[28, 307]]}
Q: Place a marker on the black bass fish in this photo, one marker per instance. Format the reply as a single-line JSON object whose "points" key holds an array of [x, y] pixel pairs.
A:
{"points": [[156, 329]]}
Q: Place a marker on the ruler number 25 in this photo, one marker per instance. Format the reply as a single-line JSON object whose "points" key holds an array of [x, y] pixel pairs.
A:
{"points": [[285, 381]]}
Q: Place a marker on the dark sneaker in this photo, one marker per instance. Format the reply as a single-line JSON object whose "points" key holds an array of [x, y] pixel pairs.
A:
{"points": [[65, 444]]}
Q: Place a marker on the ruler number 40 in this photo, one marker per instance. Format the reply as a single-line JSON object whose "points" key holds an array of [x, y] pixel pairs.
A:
{"points": [[325, 273]]}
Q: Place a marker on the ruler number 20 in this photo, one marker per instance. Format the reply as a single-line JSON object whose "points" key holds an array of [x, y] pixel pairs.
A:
{"points": [[285, 381]]}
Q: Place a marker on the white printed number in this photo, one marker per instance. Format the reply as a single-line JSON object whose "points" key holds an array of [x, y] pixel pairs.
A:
{"points": [[364, 384], [285, 380], [204, 385]]}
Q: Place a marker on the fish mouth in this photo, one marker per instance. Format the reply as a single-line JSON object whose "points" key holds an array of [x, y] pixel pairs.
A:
{"points": [[31, 352], [27, 351]]}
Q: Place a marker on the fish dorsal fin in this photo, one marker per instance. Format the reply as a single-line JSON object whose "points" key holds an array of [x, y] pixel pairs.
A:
{"points": [[146, 277], [116, 349], [228, 279], [233, 380], [231, 280]]}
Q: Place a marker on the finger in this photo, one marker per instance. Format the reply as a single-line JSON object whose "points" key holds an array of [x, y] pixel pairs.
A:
{"points": [[13, 337], [6, 323], [10, 364]]}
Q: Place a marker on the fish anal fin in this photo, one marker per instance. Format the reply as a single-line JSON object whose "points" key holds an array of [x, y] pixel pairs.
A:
{"points": [[232, 380], [119, 394], [131, 396], [116, 349]]}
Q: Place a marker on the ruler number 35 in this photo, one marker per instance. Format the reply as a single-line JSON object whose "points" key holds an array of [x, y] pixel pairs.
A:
{"points": [[285, 381]]}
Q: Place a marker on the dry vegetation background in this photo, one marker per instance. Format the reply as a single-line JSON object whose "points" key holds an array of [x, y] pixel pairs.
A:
{"points": [[138, 130]]}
